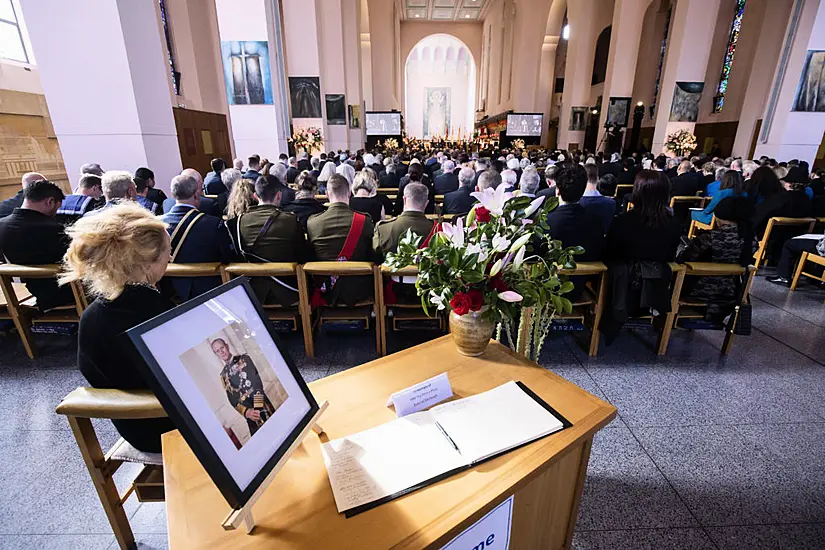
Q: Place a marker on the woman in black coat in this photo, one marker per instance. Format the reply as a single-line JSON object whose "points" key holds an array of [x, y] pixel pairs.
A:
{"points": [[120, 254], [305, 204]]}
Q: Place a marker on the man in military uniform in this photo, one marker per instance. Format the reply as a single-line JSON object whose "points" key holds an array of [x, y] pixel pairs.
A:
{"points": [[268, 234], [243, 386], [341, 234], [389, 232]]}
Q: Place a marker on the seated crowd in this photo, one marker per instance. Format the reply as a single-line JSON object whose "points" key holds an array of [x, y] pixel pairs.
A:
{"points": [[117, 232]]}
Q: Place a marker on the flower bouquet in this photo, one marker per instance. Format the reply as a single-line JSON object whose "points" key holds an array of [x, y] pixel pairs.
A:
{"points": [[496, 266], [390, 145], [519, 144], [680, 143], [308, 139]]}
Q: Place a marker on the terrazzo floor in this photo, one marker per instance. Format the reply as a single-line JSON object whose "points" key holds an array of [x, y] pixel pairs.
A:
{"points": [[707, 452]]}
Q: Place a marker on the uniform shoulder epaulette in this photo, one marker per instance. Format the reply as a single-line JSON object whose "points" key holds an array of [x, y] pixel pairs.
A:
{"points": [[382, 222]]}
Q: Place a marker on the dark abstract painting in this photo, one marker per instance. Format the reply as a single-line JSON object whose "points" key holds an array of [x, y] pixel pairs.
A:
{"points": [[305, 96], [336, 109], [810, 96]]}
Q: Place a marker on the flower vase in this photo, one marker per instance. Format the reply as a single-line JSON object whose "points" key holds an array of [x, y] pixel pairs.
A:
{"points": [[471, 332]]}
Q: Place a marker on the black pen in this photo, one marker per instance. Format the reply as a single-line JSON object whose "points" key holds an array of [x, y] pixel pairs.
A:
{"points": [[450, 439]]}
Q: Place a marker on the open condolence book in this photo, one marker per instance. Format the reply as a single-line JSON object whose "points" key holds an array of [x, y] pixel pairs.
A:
{"points": [[377, 465]]}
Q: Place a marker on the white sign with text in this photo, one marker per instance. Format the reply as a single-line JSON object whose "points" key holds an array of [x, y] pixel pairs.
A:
{"points": [[492, 532], [421, 396]]}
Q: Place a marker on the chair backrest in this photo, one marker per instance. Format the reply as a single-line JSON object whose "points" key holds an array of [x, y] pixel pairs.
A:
{"points": [[759, 257], [621, 189], [584, 269], [339, 269], [687, 201], [270, 269], [112, 404], [193, 270]]}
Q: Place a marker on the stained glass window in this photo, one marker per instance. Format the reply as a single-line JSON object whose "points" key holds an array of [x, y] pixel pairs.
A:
{"points": [[661, 62], [172, 68], [733, 38]]}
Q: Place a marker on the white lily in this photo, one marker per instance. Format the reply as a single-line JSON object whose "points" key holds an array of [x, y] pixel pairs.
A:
{"points": [[533, 207], [496, 268], [437, 300], [519, 257], [454, 232], [510, 296], [500, 243], [520, 242], [493, 199]]}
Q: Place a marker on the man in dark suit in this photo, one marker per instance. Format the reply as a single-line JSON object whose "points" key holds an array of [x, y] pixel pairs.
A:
{"points": [[196, 237], [31, 236], [550, 179], [303, 162], [391, 179], [157, 196], [254, 165], [8, 205], [207, 205], [571, 223], [279, 173], [292, 172], [687, 182], [460, 201], [212, 184], [329, 233], [447, 182]]}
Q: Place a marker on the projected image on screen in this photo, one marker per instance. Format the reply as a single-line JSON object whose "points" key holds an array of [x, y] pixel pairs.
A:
{"points": [[383, 124], [524, 125]]}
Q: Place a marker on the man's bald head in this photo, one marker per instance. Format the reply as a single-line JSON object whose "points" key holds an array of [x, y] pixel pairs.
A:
{"points": [[32, 177], [192, 173]]}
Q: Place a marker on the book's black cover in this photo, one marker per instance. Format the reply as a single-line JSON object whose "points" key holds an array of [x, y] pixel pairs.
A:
{"points": [[370, 505]]}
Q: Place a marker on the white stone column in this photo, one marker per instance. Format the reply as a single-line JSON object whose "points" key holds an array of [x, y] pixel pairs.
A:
{"points": [[628, 18], [787, 134], [579, 71], [106, 80], [257, 129], [686, 61]]}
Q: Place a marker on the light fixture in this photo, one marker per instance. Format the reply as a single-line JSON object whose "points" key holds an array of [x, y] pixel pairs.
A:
{"points": [[467, 16], [565, 32], [594, 111], [640, 104], [417, 15]]}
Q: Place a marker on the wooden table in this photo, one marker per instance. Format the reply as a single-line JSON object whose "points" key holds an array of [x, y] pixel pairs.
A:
{"points": [[298, 510]]}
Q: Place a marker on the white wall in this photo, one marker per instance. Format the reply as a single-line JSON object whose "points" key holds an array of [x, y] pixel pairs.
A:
{"points": [[254, 127]]}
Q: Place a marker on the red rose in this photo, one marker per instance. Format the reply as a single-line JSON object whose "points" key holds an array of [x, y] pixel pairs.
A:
{"points": [[482, 214], [460, 303], [476, 299], [498, 284]]}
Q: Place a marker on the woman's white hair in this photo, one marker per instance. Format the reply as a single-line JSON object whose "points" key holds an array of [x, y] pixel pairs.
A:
{"points": [[513, 164], [347, 171], [327, 171]]}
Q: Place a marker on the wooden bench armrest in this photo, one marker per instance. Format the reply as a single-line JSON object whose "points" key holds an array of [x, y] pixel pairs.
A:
{"points": [[193, 270], [279, 269], [408, 271], [792, 221], [339, 268], [712, 269], [113, 404], [320, 197], [585, 268], [30, 271]]}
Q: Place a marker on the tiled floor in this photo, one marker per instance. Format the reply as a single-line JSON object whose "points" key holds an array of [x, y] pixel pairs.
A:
{"points": [[708, 452]]}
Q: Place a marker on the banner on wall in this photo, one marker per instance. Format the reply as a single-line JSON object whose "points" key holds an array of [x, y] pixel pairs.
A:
{"points": [[436, 112], [246, 72]]}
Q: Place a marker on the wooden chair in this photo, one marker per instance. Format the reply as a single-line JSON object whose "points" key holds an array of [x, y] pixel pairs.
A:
{"points": [[275, 312], [621, 189], [814, 259], [590, 306], [83, 404], [691, 309], [21, 306], [401, 311], [759, 257], [688, 201], [678, 272], [696, 226], [340, 269], [212, 269]]}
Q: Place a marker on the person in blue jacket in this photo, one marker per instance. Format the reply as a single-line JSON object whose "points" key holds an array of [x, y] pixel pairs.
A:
{"points": [[732, 186]]}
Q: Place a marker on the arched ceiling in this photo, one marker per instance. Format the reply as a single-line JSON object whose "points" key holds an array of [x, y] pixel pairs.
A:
{"points": [[443, 10]]}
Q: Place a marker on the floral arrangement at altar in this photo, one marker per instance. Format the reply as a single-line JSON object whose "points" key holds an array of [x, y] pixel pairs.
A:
{"points": [[518, 144], [308, 139], [391, 144], [680, 143], [485, 270]]}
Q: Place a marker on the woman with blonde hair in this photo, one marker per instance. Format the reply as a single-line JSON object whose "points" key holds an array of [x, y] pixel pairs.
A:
{"points": [[364, 197], [120, 255], [241, 198]]}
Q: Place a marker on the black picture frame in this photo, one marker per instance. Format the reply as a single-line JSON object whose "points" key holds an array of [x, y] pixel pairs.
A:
{"points": [[183, 419], [336, 109]]}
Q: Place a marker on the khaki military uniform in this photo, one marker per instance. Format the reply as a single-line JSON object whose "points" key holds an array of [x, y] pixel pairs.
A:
{"points": [[283, 241], [389, 232], [327, 234]]}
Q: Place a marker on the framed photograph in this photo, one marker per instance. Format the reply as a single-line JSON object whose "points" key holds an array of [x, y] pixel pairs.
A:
{"points": [[227, 383]]}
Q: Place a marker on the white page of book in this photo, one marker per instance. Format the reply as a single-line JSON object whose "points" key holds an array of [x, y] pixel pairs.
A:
{"points": [[379, 462], [495, 421]]}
